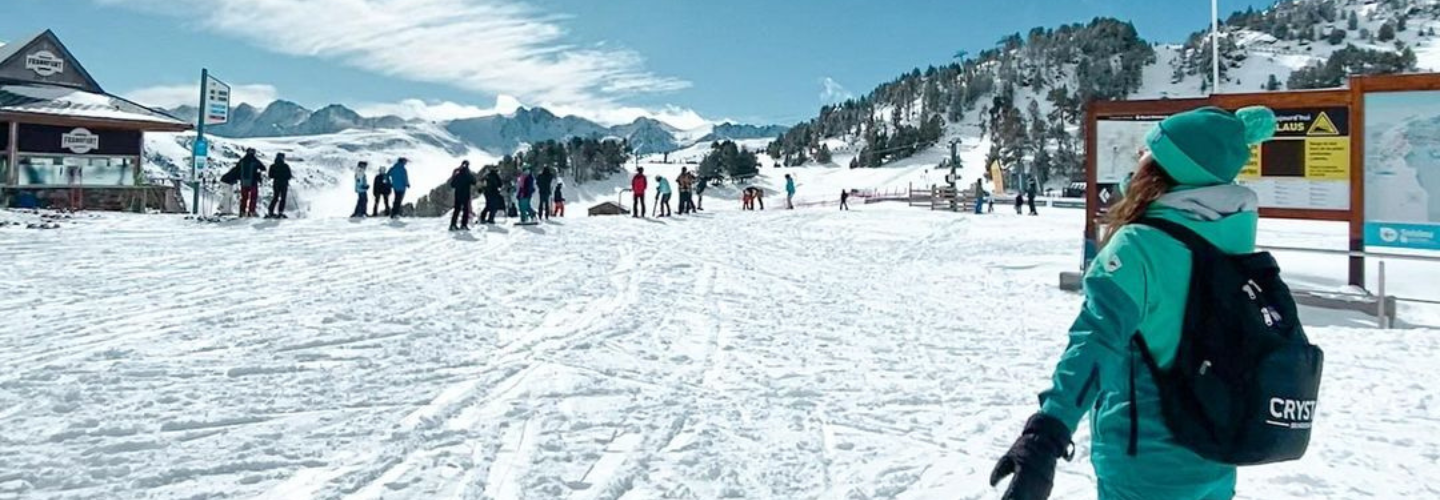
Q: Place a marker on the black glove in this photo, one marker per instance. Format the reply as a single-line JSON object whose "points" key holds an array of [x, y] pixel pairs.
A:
{"points": [[1032, 459]]}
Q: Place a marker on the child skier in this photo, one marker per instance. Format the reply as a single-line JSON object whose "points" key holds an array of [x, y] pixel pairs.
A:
{"points": [[1139, 283], [382, 192], [559, 198]]}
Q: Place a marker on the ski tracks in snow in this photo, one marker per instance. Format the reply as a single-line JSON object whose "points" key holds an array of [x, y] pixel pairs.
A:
{"points": [[885, 353]]}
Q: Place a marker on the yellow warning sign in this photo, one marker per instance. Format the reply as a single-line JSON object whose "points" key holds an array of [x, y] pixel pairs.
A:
{"points": [[1323, 126], [1327, 159]]}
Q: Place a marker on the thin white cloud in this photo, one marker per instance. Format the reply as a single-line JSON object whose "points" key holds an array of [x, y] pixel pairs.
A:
{"points": [[437, 111], [490, 46], [171, 96], [831, 92]]}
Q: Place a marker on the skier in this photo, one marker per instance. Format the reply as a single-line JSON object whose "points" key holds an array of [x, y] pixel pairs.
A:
{"points": [[686, 182], [463, 182], [637, 188], [662, 191], [362, 186], [494, 201], [382, 192], [545, 185], [789, 192], [280, 194], [400, 182], [559, 197], [524, 190], [1031, 189], [754, 196], [251, 173], [844, 199], [1139, 283], [700, 193]]}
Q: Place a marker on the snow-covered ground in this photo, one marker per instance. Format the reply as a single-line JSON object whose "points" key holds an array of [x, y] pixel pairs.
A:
{"points": [[887, 353]]}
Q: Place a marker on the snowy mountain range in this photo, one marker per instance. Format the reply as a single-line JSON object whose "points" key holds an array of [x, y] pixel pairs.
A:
{"points": [[498, 134]]}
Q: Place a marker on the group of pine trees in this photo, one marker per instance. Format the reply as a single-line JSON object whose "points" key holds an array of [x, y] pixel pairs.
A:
{"points": [[1066, 66], [1337, 22], [578, 160], [726, 160]]}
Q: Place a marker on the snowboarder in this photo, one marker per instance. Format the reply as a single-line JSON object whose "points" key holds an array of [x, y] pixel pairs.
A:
{"points": [[252, 172], [700, 185], [686, 182], [400, 182], [637, 188], [280, 192], [559, 198], [844, 199], [1032, 188], [463, 182], [362, 186], [789, 192], [524, 191], [546, 182], [1138, 284], [494, 201], [662, 191], [382, 192]]}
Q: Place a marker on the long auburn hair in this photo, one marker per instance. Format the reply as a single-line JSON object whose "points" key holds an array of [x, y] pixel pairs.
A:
{"points": [[1149, 184]]}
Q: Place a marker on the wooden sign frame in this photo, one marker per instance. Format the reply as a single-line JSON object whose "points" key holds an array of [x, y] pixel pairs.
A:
{"points": [[1347, 98]]}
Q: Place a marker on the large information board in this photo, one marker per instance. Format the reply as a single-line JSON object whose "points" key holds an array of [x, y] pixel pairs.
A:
{"points": [[1402, 176]]}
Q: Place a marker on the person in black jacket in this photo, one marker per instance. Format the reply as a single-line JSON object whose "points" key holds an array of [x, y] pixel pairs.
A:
{"points": [[545, 181], [381, 185], [494, 201], [463, 182], [280, 174]]}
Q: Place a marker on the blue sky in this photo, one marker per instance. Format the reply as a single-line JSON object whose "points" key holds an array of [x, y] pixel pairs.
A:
{"points": [[762, 61]]}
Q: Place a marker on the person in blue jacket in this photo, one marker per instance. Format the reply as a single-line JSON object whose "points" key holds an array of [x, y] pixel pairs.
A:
{"points": [[1137, 285], [399, 182], [789, 192]]}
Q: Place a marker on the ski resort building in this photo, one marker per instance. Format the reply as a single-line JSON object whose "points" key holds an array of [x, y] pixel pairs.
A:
{"points": [[65, 142]]}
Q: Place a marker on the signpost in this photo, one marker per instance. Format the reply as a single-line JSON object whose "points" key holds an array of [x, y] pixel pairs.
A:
{"points": [[214, 110]]}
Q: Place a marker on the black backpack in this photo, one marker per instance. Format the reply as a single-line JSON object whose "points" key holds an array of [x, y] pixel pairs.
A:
{"points": [[1243, 386]]}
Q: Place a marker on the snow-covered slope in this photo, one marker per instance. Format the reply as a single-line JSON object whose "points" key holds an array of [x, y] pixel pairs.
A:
{"points": [[883, 353]]}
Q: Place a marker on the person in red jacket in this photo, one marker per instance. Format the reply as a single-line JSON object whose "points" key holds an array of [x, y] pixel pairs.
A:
{"points": [[637, 186]]}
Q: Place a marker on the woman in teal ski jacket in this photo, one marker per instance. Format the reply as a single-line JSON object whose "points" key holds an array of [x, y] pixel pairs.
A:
{"points": [[1138, 282]]}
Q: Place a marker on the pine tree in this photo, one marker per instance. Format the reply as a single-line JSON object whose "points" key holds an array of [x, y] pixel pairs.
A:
{"points": [[1353, 22], [1387, 33], [1400, 24], [823, 156], [1337, 37], [1273, 84]]}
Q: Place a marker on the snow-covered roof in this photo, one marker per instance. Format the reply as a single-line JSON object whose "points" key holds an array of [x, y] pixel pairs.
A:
{"points": [[69, 102]]}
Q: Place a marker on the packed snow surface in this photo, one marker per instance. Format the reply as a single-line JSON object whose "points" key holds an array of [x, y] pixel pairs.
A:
{"points": [[885, 353]]}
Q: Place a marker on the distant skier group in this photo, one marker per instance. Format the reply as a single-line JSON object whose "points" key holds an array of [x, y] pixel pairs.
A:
{"points": [[692, 193], [395, 180], [527, 186]]}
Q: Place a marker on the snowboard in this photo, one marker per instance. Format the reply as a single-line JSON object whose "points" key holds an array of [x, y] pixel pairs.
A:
{"points": [[531, 223]]}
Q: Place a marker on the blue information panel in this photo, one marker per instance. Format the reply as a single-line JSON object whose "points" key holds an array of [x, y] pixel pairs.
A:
{"points": [[1401, 235]]}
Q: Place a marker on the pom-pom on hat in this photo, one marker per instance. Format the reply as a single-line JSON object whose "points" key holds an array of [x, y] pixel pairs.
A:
{"points": [[1209, 146]]}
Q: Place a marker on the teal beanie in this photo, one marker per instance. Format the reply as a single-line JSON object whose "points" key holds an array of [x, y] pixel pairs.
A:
{"points": [[1209, 146]]}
